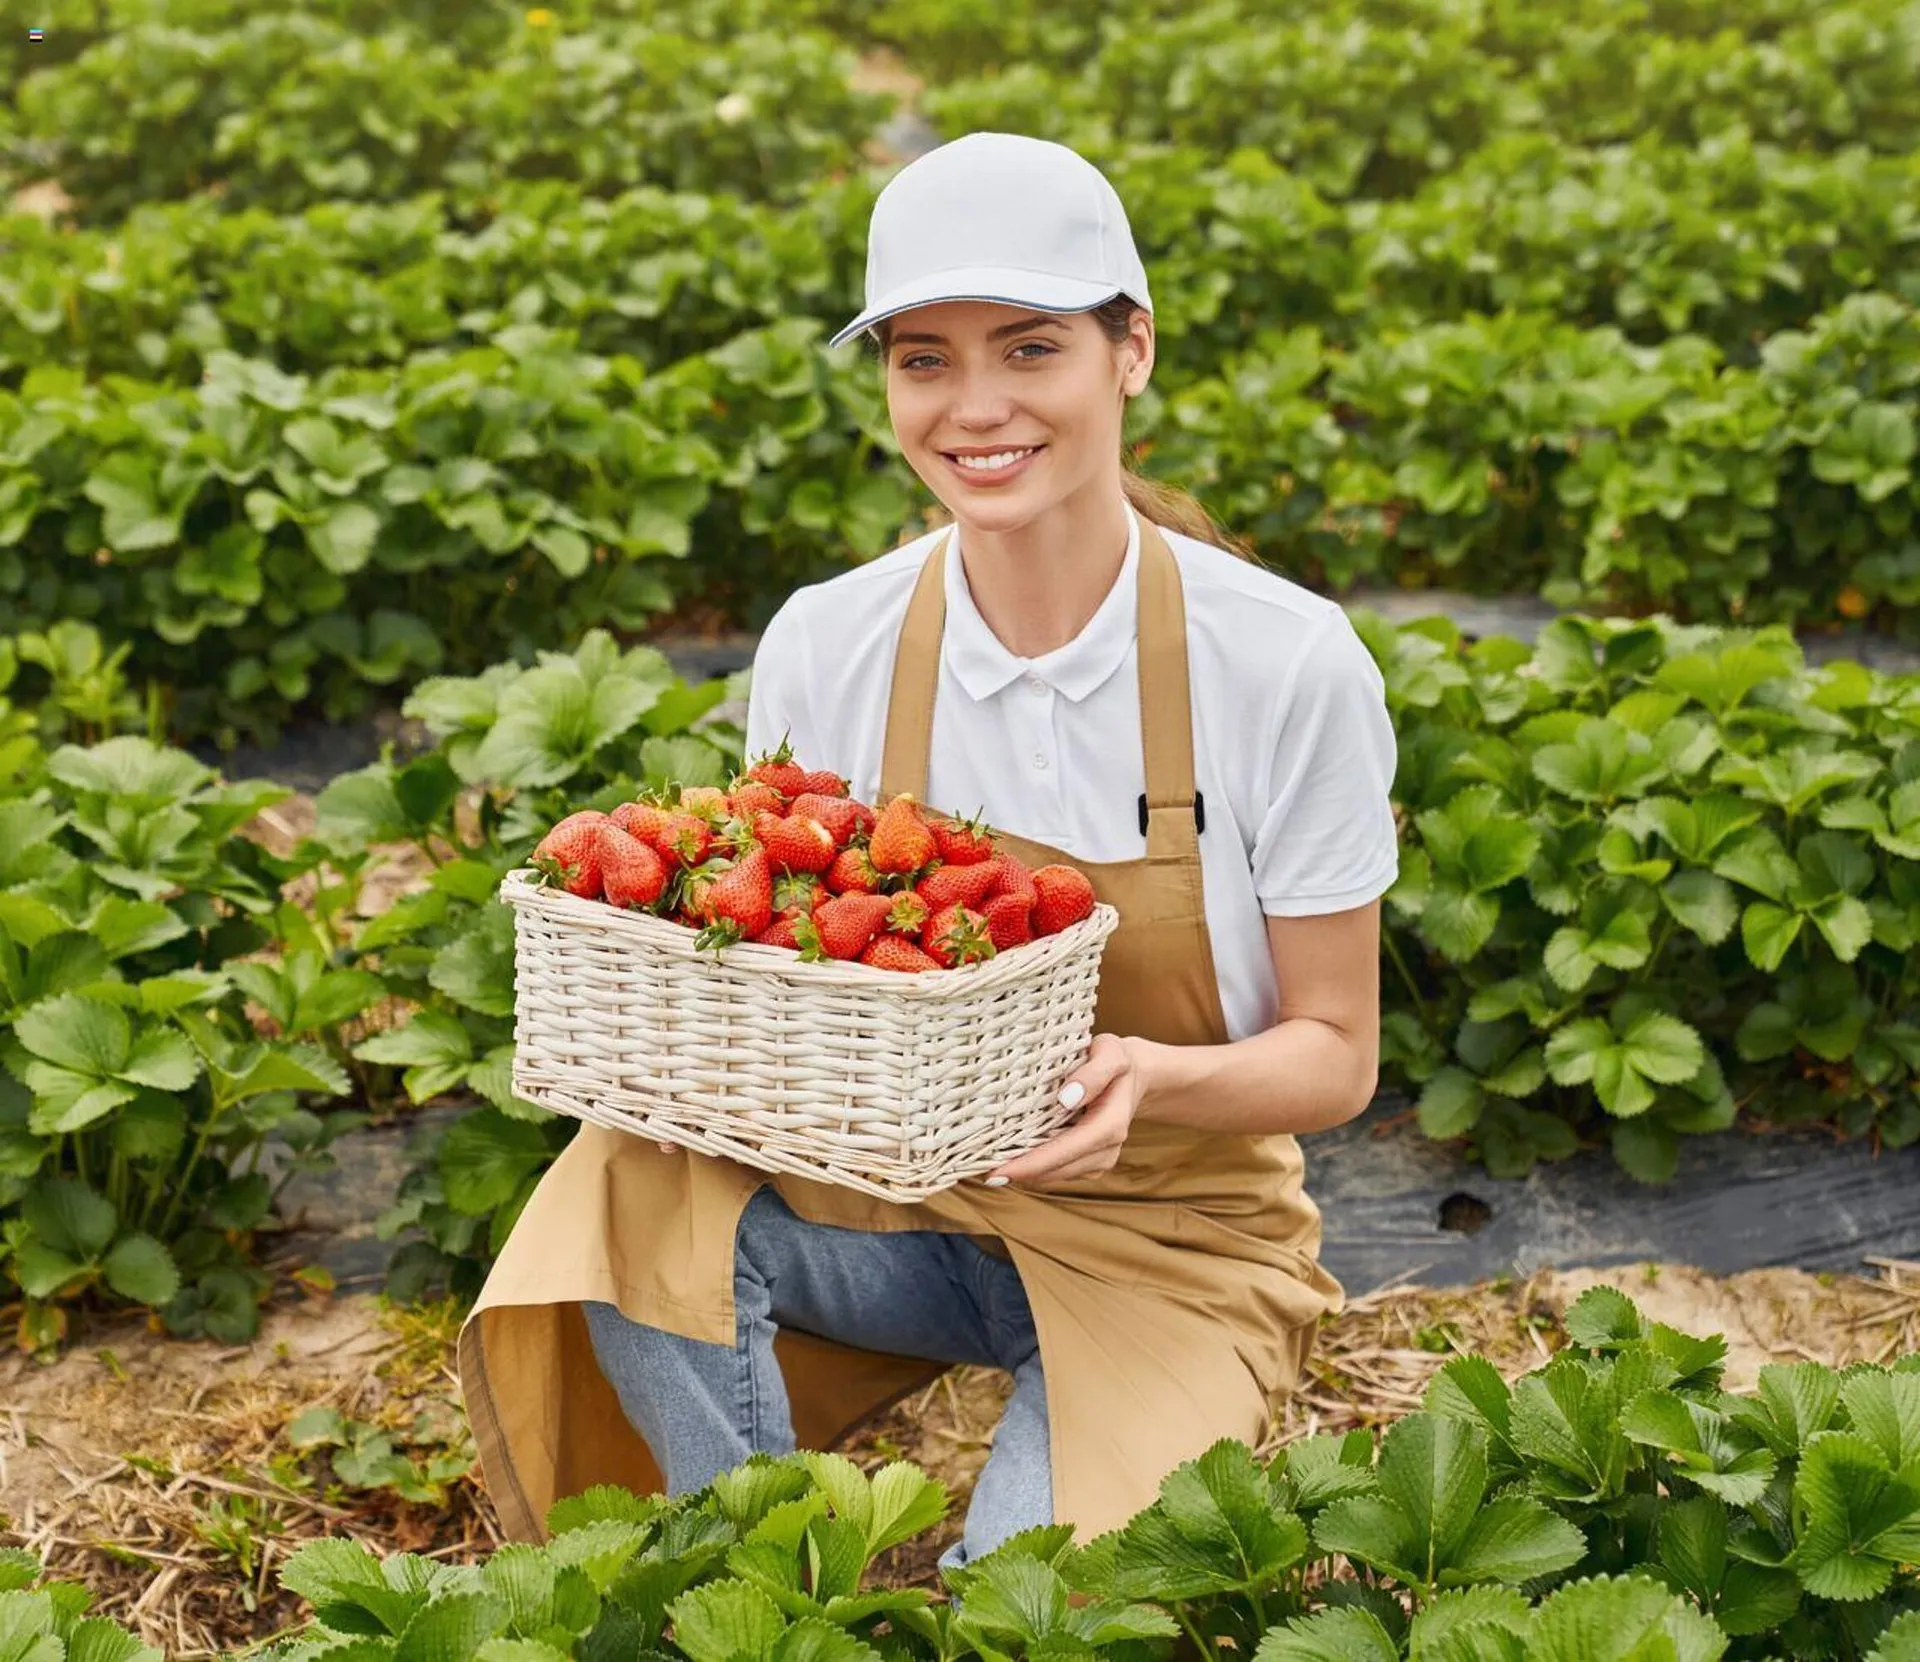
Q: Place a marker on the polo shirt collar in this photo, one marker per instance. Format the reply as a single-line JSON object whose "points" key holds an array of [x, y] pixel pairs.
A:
{"points": [[982, 664]]}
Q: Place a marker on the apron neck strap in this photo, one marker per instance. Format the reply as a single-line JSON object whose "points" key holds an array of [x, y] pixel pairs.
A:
{"points": [[1166, 716]]}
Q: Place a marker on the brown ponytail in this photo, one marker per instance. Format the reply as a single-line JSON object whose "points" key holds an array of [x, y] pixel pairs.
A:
{"points": [[1167, 506]]}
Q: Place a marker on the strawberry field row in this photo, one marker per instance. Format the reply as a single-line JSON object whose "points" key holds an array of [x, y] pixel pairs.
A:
{"points": [[263, 540], [290, 107], [1652, 876], [1362, 99], [1731, 242]]}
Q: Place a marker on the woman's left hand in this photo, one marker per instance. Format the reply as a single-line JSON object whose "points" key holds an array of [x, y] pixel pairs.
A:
{"points": [[1111, 1084]]}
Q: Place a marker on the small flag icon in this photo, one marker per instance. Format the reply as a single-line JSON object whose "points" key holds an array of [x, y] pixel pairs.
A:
{"points": [[33, 34]]}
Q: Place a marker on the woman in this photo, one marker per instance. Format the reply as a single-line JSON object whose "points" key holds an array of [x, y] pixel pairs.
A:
{"points": [[1080, 659]]}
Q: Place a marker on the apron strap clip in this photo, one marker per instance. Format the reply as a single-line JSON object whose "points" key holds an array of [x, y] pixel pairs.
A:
{"points": [[1199, 813]]}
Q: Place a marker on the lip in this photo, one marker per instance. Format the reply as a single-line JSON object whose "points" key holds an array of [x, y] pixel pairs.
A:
{"points": [[980, 476]]}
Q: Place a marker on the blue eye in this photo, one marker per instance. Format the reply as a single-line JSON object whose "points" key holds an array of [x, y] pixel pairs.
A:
{"points": [[1042, 345]]}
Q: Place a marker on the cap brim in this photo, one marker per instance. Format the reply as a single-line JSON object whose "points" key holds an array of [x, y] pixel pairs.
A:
{"points": [[1031, 289]]}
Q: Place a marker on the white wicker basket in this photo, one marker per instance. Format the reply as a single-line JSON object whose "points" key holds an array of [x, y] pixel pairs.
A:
{"points": [[896, 1085]]}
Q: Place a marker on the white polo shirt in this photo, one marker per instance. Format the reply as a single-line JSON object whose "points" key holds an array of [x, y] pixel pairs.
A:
{"points": [[1294, 752]]}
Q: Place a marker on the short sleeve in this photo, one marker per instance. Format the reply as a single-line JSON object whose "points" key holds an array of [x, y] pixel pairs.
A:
{"points": [[1327, 840], [776, 692]]}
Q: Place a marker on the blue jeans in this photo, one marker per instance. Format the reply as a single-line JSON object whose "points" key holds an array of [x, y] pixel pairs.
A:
{"points": [[703, 1408]]}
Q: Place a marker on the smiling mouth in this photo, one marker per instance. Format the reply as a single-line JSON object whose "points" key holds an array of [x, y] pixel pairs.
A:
{"points": [[996, 462]]}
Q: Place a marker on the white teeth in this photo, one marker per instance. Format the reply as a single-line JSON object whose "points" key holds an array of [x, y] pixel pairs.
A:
{"points": [[992, 464]]}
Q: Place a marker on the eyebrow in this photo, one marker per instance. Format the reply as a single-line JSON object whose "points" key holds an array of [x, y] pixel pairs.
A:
{"points": [[1001, 333]]}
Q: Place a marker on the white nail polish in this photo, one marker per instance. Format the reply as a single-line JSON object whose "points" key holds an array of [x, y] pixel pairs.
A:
{"points": [[997, 1182], [1071, 1095]]}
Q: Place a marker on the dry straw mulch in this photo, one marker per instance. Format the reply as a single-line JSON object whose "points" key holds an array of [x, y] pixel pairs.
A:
{"points": [[157, 1471]]}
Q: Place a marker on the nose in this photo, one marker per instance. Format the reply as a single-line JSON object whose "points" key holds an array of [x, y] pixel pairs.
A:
{"points": [[980, 404]]}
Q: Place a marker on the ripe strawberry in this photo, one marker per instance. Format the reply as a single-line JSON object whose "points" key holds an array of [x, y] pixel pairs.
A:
{"points": [[963, 842], [798, 843], [896, 952], [645, 820], [634, 875], [708, 801], [687, 838], [752, 797], [1065, 898], [739, 903], [570, 853], [1009, 921], [852, 873], [1011, 875], [778, 933], [823, 784], [842, 927], [946, 885], [900, 840], [956, 935], [840, 816], [778, 769], [864, 818]]}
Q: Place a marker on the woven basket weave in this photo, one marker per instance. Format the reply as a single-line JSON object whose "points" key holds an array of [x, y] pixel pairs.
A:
{"points": [[896, 1085]]}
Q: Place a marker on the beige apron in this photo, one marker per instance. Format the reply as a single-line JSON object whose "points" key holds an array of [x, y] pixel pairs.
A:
{"points": [[1175, 1298]]}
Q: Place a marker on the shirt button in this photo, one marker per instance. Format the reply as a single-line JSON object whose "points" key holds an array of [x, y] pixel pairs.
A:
{"points": [[1039, 758], [1035, 684]]}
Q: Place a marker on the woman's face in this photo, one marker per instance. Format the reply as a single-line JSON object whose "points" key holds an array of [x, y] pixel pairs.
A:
{"points": [[971, 383]]}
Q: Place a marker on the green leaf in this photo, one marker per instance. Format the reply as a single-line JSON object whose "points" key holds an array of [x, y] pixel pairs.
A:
{"points": [[1621, 1619], [1900, 1642], [80, 1034], [906, 1501], [1328, 1636], [147, 775], [1885, 1410], [342, 538], [1482, 1623], [162, 1059], [476, 968], [1512, 1539], [70, 1217], [485, 1157], [1470, 1388], [1714, 1452], [1435, 1470], [434, 1038], [1217, 1525], [1450, 1103], [97, 1639], [141, 1269], [451, 1628], [322, 1426], [1603, 1318], [124, 927], [1860, 1518], [1799, 1399], [1566, 1424], [725, 1621], [1755, 1598]]}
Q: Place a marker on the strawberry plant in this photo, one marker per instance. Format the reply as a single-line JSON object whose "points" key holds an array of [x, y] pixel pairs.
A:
{"points": [[1652, 871], [137, 1096], [1616, 1503], [48, 1621]]}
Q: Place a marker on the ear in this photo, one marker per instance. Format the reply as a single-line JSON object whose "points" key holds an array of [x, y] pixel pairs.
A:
{"points": [[1138, 353]]}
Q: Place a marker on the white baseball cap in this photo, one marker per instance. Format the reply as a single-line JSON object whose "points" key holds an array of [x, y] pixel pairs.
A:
{"points": [[1002, 217]]}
